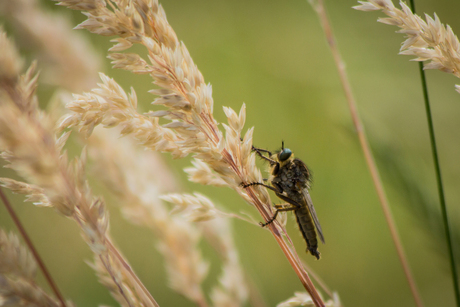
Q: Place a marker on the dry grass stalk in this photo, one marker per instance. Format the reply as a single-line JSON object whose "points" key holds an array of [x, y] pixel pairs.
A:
{"points": [[66, 58], [233, 289], [138, 192], [17, 276], [319, 7], [188, 102], [10, 61], [202, 173], [427, 40], [29, 146], [196, 207]]}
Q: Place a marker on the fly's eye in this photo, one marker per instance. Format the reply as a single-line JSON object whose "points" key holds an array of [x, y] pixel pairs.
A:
{"points": [[285, 154]]}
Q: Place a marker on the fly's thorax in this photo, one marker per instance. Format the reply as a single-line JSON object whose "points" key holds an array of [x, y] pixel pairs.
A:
{"points": [[292, 177]]}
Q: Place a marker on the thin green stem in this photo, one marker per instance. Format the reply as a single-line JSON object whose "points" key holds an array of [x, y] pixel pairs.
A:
{"points": [[442, 199], [437, 167], [32, 249]]}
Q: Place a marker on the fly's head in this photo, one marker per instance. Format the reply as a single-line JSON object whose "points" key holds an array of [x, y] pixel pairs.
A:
{"points": [[283, 157]]}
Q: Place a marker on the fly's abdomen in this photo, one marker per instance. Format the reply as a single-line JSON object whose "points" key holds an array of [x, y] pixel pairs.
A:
{"points": [[307, 228]]}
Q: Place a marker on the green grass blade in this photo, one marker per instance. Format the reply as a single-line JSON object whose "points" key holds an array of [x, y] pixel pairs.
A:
{"points": [[439, 179]]}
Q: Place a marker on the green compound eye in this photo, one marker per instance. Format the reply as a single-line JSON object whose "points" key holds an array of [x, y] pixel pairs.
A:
{"points": [[285, 154]]}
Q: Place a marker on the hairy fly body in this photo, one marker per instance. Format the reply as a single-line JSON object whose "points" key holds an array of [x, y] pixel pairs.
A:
{"points": [[290, 180]]}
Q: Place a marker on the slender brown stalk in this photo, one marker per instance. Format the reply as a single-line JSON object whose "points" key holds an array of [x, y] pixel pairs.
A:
{"points": [[32, 249], [291, 255], [321, 11]]}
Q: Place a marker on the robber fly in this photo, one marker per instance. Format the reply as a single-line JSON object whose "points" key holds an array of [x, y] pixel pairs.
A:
{"points": [[290, 179]]}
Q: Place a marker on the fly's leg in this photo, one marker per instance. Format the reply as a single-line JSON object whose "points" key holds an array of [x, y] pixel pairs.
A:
{"points": [[246, 185], [289, 200], [260, 151], [279, 208], [271, 161], [277, 189]]}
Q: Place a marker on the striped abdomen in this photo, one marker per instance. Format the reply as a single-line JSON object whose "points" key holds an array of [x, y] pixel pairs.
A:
{"points": [[307, 228]]}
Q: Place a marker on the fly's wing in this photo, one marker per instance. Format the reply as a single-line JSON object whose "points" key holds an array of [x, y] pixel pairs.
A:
{"points": [[309, 202], [307, 197]]}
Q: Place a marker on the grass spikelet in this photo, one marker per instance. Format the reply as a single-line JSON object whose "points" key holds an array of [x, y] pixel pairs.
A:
{"points": [[303, 299], [428, 40], [10, 62], [33, 193], [202, 173], [140, 197], [431, 41], [138, 193], [188, 101], [17, 276], [15, 259], [200, 208], [66, 58], [232, 289], [31, 149]]}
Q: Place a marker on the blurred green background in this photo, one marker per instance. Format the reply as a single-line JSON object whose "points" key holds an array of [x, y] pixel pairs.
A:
{"points": [[273, 56]]}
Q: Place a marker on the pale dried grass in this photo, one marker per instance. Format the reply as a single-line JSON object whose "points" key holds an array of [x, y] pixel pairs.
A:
{"points": [[27, 138], [65, 57], [137, 179], [232, 290], [10, 61], [220, 159], [177, 252], [28, 144], [188, 104], [436, 44], [122, 167], [18, 273], [428, 40], [304, 299]]}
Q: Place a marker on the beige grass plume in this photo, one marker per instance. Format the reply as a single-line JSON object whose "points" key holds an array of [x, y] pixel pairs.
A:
{"points": [[18, 272], [187, 100], [28, 144], [138, 178], [182, 278], [427, 40], [65, 57], [304, 299], [192, 128]]}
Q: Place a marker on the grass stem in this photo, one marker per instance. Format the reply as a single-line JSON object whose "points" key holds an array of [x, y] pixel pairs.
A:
{"points": [[321, 11], [32, 249], [440, 186], [291, 255]]}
